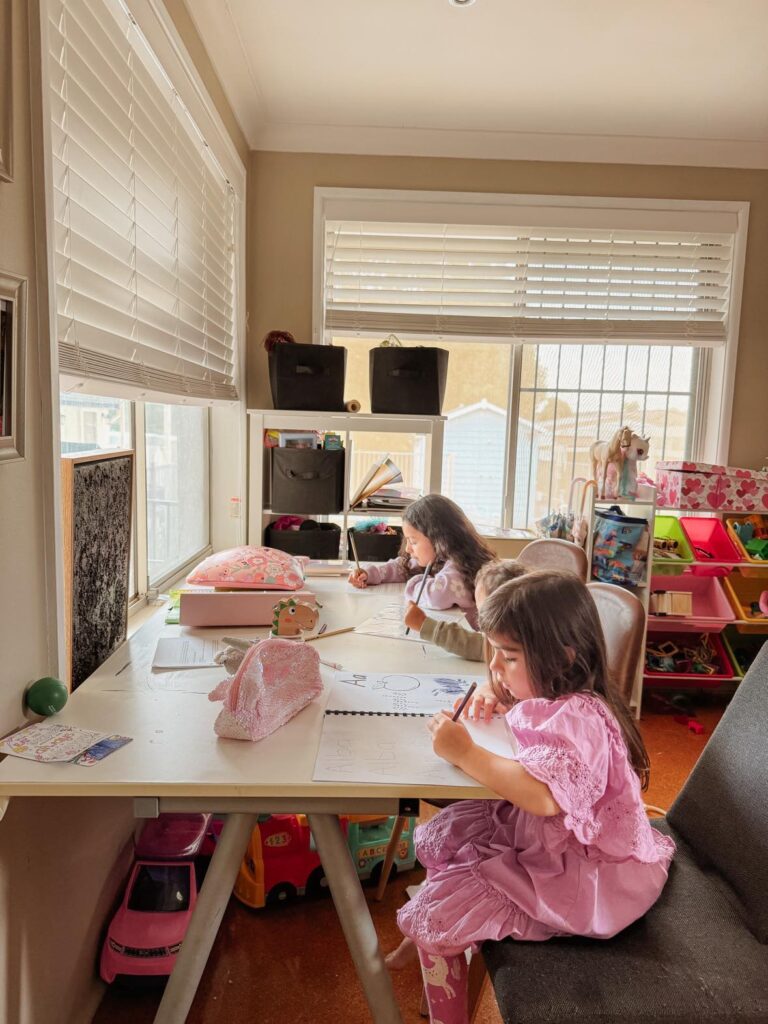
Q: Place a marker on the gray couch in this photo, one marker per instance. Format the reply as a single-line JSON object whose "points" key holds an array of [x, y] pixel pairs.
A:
{"points": [[699, 956]]}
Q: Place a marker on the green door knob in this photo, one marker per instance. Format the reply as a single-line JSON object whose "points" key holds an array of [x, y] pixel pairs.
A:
{"points": [[46, 696]]}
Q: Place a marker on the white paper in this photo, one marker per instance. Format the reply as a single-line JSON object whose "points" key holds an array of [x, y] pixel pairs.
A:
{"points": [[48, 741], [388, 622], [373, 749], [185, 652], [397, 692]]}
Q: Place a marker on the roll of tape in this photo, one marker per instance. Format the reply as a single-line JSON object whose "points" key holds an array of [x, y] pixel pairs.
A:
{"points": [[352, 405]]}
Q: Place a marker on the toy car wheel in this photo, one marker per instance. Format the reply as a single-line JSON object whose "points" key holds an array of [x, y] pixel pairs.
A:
{"points": [[376, 872], [317, 883], [282, 893]]}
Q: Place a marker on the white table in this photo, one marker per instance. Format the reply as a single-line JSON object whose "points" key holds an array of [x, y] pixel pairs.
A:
{"points": [[177, 763]]}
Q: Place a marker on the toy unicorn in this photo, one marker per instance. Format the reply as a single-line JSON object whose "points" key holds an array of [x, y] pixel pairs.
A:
{"points": [[292, 618], [615, 452]]}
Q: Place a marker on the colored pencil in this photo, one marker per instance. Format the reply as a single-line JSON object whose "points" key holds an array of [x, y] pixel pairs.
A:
{"points": [[354, 549], [330, 632], [465, 698], [424, 579]]}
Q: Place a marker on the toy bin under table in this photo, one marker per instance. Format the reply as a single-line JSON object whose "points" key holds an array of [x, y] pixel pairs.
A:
{"points": [[683, 680], [709, 541], [668, 528], [711, 609], [742, 648], [744, 593], [750, 565]]}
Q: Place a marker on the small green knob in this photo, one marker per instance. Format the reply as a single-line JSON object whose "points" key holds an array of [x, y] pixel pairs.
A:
{"points": [[46, 696]]}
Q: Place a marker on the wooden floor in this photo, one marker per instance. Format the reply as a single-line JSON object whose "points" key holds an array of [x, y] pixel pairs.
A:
{"points": [[290, 965]]}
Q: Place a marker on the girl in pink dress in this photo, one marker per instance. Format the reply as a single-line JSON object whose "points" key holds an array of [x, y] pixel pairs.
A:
{"points": [[435, 532], [567, 848]]}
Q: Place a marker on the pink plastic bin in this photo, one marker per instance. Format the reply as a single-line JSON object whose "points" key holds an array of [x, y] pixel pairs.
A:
{"points": [[712, 610], [708, 534], [683, 680]]}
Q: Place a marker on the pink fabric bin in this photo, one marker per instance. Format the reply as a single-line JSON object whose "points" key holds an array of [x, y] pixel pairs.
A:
{"points": [[206, 606], [704, 486], [712, 610]]}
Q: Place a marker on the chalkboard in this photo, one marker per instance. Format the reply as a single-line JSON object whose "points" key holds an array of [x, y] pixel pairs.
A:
{"points": [[97, 494]]}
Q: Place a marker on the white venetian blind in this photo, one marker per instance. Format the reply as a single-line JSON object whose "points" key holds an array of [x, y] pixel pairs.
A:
{"points": [[144, 216], [483, 282]]}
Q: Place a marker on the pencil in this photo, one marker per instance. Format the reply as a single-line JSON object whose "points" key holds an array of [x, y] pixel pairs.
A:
{"points": [[330, 632], [424, 579], [354, 547], [464, 699]]}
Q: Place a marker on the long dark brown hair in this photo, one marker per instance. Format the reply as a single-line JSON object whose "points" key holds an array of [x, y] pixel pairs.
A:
{"points": [[554, 619], [451, 534]]}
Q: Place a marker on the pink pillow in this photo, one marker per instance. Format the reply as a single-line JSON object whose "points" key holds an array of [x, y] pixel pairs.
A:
{"points": [[251, 568]]}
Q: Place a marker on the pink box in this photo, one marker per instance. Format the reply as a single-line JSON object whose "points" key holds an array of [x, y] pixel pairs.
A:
{"points": [[706, 487], [206, 606]]}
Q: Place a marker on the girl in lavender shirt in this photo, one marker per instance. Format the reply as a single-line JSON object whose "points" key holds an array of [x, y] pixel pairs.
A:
{"points": [[566, 849], [436, 532]]}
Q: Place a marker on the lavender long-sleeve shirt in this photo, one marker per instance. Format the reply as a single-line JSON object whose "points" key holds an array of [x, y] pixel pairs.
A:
{"points": [[445, 589]]}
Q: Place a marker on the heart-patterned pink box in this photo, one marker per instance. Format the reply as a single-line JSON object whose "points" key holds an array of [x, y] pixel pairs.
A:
{"points": [[705, 487]]}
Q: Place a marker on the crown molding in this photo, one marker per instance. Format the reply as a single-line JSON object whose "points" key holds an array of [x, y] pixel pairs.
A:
{"points": [[483, 145]]}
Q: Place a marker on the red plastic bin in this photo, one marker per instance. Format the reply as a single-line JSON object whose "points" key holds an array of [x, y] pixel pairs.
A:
{"points": [[684, 680], [712, 610], [707, 534]]}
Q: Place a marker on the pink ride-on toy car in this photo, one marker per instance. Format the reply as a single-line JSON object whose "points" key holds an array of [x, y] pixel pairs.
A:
{"points": [[146, 933]]}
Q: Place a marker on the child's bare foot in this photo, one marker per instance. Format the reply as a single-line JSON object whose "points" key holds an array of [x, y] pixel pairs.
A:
{"points": [[405, 954]]}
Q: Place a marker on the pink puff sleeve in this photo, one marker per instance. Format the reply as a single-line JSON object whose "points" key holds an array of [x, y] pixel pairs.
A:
{"points": [[575, 746], [445, 589], [566, 745]]}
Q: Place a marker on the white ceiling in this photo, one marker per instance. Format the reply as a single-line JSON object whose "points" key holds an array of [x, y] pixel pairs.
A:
{"points": [[670, 81]]}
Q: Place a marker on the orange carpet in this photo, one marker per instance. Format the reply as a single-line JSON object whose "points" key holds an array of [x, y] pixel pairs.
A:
{"points": [[290, 965]]}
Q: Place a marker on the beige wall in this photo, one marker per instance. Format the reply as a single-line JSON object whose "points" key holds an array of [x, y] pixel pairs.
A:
{"points": [[279, 266], [186, 29]]}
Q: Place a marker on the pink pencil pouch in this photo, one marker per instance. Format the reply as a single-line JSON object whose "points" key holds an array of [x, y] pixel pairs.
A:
{"points": [[275, 680]]}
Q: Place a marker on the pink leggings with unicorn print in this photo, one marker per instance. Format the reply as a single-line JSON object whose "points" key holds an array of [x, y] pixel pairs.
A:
{"points": [[445, 985]]}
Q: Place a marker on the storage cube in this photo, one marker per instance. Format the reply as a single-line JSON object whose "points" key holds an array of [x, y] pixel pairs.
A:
{"points": [[375, 547], [702, 485], [744, 593], [307, 480], [408, 380], [309, 377], [321, 542]]}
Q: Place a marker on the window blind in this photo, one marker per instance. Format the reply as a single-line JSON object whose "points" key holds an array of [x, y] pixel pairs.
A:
{"points": [[144, 216], [487, 282]]}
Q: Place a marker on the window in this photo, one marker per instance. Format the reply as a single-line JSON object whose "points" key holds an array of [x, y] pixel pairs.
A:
{"points": [[565, 318], [177, 486], [171, 505]]}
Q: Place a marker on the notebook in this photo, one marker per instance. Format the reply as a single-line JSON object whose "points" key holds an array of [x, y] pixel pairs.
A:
{"points": [[375, 730]]}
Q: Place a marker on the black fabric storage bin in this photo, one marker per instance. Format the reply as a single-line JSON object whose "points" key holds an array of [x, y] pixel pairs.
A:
{"points": [[308, 377], [307, 481], [408, 380], [375, 547], [322, 542]]}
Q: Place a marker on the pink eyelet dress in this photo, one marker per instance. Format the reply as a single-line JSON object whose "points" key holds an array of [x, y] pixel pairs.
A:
{"points": [[495, 871]]}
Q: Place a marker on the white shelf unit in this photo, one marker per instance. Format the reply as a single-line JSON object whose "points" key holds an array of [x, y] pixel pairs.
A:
{"points": [[645, 509], [431, 428]]}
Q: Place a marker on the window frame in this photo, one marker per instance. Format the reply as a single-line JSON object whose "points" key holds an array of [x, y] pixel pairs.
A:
{"points": [[716, 370]]}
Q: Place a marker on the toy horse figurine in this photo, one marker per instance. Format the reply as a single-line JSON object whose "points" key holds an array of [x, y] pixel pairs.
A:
{"points": [[624, 446], [292, 618]]}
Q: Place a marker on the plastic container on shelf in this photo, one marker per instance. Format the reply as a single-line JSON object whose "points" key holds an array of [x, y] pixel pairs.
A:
{"points": [[744, 592], [708, 539], [712, 610], [686, 680], [751, 566], [667, 528], [742, 648]]}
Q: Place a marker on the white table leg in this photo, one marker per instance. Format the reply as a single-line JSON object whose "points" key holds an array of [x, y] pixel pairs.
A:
{"points": [[355, 918], [206, 918]]}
